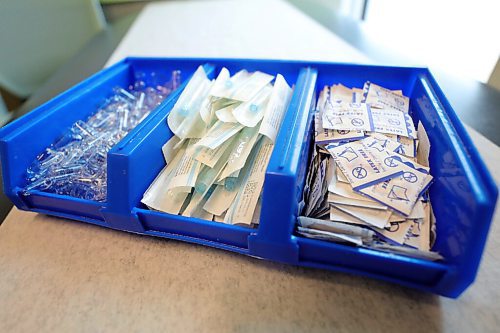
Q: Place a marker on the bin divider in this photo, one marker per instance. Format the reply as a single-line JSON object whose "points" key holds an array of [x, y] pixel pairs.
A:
{"points": [[126, 163], [285, 173]]}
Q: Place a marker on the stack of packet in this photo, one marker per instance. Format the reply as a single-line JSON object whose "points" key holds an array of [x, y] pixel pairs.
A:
{"points": [[224, 133], [369, 173]]}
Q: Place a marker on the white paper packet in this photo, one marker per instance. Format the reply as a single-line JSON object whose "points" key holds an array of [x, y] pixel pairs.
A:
{"points": [[418, 212], [252, 86], [338, 215], [347, 135], [391, 137], [357, 95], [392, 121], [402, 192], [306, 192], [330, 236], [323, 97], [241, 212], [198, 200], [169, 150], [219, 218], [316, 194], [227, 86], [220, 200], [226, 114], [256, 212], [375, 217], [424, 146], [347, 116], [186, 172], [380, 97], [396, 231], [157, 196], [395, 217], [362, 165], [340, 176], [193, 125], [194, 202], [377, 139], [218, 134], [204, 215], [173, 201], [419, 234], [243, 144], [335, 227], [206, 112], [331, 172], [184, 119], [275, 108], [220, 84], [366, 86], [154, 197], [250, 113], [326, 136], [220, 103], [338, 199], [340, 94], [345, 190], [408, 146], [321, 135], [407, 251], [231, 181], [208, 175], [210, 157]]}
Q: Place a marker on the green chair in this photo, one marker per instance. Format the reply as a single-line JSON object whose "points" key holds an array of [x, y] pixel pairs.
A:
{"points": [[36, 37]]}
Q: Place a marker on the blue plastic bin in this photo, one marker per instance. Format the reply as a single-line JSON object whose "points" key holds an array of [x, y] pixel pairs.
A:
{"points": [[463, 194]]}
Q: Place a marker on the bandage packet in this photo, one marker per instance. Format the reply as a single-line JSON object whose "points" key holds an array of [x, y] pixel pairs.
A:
{"points": [[408, 147], [402, 192], [363, 166], [347, 117], [377, 139], [383, 98], [375, 182], [341, 94], [393, 122], [326, 136]]}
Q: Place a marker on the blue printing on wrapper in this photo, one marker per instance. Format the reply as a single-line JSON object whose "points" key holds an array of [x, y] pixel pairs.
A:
{"points": [[410, 164], [370, 117], [379, 180], [409, 126]]}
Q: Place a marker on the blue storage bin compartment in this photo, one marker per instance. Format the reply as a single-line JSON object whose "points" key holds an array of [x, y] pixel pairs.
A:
{"points": [[22, 140], [463, 194], [148, 148]]}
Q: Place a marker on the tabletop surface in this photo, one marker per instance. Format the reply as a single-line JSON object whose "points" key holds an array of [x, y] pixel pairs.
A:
{"points": [[60, 275], [232, 29]]}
